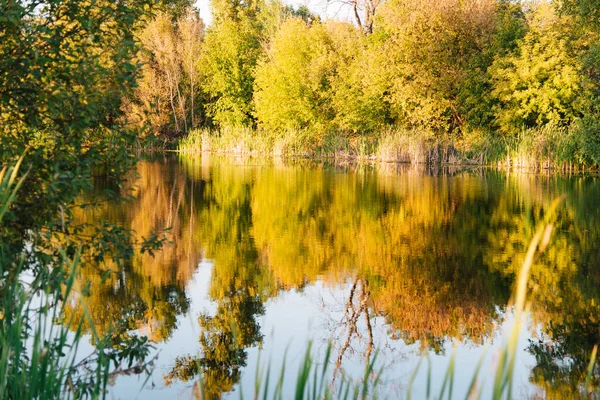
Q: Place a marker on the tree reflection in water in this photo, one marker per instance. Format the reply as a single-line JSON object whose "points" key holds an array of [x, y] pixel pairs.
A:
{"points": [[432, 256]]}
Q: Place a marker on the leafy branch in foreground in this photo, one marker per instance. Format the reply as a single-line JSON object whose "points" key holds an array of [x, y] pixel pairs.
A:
{"points": [[39, 345]]}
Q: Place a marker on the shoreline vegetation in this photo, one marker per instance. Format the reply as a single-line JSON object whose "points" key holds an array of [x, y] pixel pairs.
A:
{"points": [[475, 82], [535, 149]]}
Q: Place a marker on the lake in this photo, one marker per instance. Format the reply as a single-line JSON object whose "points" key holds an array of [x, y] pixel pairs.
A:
{"points": [[406, 263]]}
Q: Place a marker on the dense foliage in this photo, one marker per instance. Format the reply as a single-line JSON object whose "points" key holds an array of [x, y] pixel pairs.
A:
{"points": [[471, 75], [65, 68]]}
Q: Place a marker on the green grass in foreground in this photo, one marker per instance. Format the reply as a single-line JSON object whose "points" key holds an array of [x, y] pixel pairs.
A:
{"points": [[38, 358], [39, 347]]}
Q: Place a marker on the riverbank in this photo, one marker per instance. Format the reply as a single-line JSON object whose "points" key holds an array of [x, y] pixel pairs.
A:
{"points": [[545, 148]]}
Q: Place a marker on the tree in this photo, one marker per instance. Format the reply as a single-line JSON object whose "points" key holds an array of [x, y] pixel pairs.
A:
{"points": [[587, 10], [293, 80], [232, 48], [363, 11], [65, 68], [191, 33], [431, 46], [475, 101], [320, 76], [358, 88], [167, 96], [539, 82]]}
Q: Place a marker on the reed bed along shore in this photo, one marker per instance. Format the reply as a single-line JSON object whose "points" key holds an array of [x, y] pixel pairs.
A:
{"points": [[546, 148]]}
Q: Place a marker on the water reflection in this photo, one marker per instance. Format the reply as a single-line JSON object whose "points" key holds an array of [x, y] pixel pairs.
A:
{"points": [[434, 255]]}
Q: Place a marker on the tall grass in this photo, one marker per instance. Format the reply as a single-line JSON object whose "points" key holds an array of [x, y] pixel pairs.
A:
{"points": [[540, 148], [545, 147], [390, 145], [227, 140], [313, 381], [39, 357], [9, 186], [246, 141], [416, 146]]}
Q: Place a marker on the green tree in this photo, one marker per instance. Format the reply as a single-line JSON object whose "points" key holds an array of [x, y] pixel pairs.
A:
{"points": [[293, 80], [540, 82], [358, 88], [587, 10], [431, 46], [475, 101], [65, 67], [232, 48]]}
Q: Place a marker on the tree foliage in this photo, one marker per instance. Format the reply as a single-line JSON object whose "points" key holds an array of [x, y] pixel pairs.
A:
{"points": [[168, 96], [232, 48], [319, 76], [539, 82], [293, 81], [65, 68], [432, 46]]}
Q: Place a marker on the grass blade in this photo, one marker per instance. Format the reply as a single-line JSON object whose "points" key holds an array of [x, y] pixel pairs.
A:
{"points": [[590, 370], [472, 385], [412, 379]]}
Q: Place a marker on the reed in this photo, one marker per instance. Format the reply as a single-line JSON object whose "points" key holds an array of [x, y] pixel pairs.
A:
{"points": [[390, 145], [39, 346], [38, 358], [9, 185], [541, 148], [313, 381]]}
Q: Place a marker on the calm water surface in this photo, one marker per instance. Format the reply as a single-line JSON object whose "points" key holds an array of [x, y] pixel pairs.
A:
{"points": [[267, 255]]}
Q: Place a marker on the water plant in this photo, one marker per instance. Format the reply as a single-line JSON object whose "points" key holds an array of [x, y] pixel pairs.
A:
{"points": [[39, 346]]}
